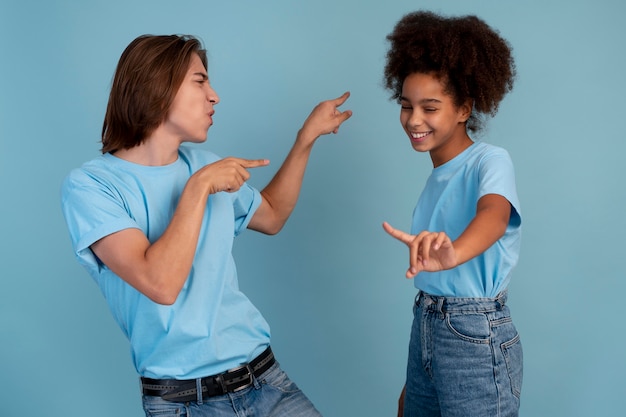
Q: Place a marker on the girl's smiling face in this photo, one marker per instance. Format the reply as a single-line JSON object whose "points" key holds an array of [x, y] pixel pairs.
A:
{"points": [[431, 119]]}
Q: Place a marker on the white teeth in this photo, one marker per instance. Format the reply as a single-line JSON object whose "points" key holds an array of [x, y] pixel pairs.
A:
{"points": [[419, 135]]}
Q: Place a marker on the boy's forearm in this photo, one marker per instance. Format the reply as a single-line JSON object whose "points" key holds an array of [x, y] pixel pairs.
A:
{"points": [[283, 191]]}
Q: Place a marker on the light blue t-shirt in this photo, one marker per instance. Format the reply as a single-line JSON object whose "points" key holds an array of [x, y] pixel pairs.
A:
{"points": [[448, 204], [212, 326]]}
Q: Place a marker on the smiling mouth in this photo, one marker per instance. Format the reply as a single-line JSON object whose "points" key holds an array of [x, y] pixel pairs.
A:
{"points": [[418, 136]]}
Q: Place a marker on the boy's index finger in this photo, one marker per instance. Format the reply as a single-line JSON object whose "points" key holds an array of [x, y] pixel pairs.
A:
{"points": [[254, 163], [342, 99]]}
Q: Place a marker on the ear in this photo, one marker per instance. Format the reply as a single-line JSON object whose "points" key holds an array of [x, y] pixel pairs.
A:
{"points": [[465, 110]]}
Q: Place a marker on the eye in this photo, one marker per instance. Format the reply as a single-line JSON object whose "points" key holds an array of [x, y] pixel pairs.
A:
{"points": [[430, 109]]}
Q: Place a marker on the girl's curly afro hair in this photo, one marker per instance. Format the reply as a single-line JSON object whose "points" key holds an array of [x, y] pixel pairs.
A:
{"points": [[468, 56]]}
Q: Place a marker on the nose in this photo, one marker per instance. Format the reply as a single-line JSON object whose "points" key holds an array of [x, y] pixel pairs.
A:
{"points": [[212, 96], [415, 119]]}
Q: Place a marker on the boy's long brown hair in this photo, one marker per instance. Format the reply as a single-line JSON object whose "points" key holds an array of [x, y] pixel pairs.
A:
{"points": [[148, 76]]}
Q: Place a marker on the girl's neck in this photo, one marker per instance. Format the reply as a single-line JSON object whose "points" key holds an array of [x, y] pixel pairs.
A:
{"points": [[450, 150]]}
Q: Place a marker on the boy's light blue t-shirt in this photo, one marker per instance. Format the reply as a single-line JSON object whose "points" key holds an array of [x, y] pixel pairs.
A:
{"points": [[212, 326], [448, 204]]}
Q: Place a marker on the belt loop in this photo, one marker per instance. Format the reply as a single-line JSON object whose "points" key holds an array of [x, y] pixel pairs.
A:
{"points": [[500, 299], [199, 390], [440, 308], [253, 377]]}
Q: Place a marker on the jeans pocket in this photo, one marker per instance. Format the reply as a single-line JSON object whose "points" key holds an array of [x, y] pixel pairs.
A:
{"points": [[469, 327], [158, 407], [514, 358]]}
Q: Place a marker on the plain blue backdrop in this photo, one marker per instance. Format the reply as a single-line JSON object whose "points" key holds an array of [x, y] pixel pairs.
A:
{"points": [[331, 284]]}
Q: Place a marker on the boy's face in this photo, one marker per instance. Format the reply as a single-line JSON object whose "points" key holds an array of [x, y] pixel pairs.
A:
{"points": [[431, 119], [191, 112]]}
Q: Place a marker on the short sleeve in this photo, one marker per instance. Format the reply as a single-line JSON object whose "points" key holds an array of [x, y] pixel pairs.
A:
{"points": [[245, 203], [92, 211], [497, 176]]}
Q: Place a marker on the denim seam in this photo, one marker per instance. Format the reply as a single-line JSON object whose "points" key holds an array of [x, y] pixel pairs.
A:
{"points": [[505, 347]]}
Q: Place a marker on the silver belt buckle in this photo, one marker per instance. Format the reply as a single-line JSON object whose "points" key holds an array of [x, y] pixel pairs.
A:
{"points": [[249, 375]]}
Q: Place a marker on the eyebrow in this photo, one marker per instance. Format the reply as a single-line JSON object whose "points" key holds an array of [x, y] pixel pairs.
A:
{"points": [[202, 75], [423, 101]]}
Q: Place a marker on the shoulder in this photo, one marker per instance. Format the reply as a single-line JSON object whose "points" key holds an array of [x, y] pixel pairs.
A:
{"points": [[486, 150], [487, 156], [101, 177], [91, 172]]}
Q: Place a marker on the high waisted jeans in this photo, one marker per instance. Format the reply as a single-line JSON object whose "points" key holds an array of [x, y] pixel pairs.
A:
{"points": [[465, 359]]}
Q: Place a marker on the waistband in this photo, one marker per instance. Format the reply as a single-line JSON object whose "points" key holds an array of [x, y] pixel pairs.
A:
{"points": [[188, 390], [444, 304]]}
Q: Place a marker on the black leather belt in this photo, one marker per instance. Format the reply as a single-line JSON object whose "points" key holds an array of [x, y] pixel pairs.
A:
{"points": [[233, 380]]}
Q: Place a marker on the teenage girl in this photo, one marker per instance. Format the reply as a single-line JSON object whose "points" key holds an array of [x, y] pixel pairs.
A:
{"points": [[465, 355]]}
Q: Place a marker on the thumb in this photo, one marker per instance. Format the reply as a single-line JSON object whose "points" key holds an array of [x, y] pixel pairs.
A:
{"points": [[346, 115]]}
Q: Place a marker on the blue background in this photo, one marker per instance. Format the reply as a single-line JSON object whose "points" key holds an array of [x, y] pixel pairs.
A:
{"points": [[331, 284]]}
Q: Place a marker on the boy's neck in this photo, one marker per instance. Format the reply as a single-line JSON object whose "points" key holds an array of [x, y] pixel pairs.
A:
{"points": [[150, 153]]}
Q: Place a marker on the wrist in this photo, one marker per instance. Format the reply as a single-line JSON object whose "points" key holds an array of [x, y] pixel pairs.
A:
{"points": [[305, 138]]}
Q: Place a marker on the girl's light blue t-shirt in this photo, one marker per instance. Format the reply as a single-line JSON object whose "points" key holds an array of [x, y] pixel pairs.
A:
{"points": [[448, 204], [212, 326]]}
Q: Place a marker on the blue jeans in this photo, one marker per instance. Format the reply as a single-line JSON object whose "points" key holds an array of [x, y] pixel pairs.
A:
{"points": [[273, 394], [465, 359]]}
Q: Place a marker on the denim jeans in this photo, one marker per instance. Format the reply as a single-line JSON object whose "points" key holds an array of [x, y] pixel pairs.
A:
{"points": [[465, 359], [273, 394]]}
